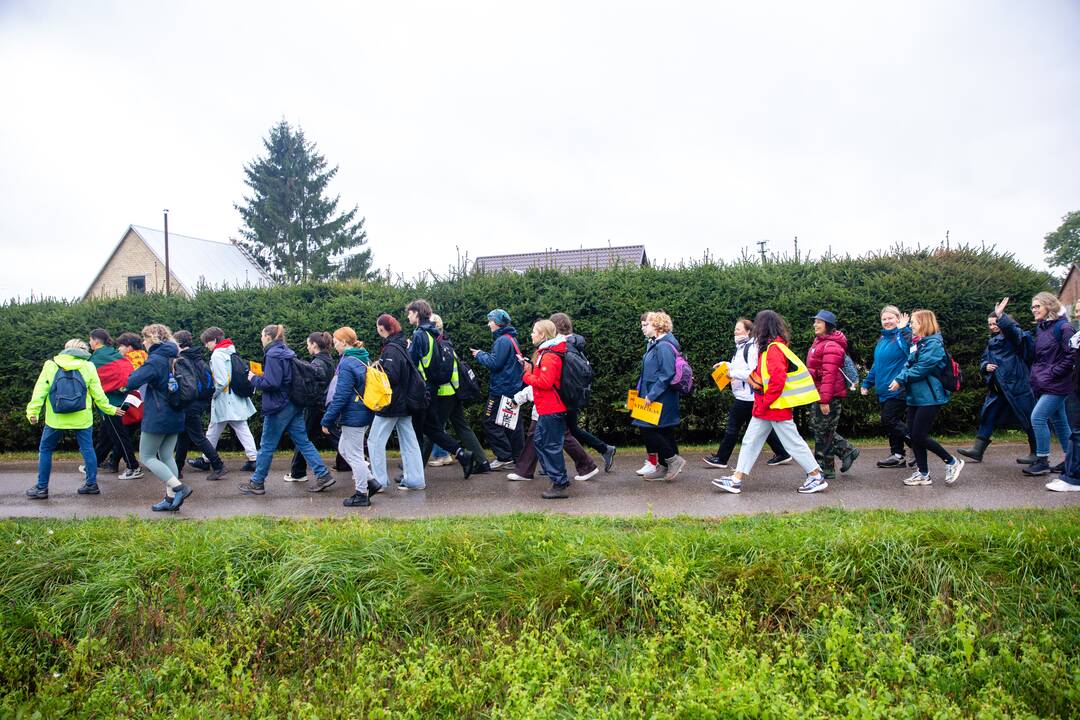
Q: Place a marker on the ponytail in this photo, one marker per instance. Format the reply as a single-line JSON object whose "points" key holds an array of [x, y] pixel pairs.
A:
{"points": [[348, 336], [275, 332], [320, 339]]}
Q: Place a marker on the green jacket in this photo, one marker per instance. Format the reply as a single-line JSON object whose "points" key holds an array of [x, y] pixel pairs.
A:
{"points": [[103, 356], [73, 359]]}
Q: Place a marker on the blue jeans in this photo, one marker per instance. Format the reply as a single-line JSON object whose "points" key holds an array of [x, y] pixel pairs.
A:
{"points": [[548, 440], [50, 438], [289, 420], [1049, 411]]}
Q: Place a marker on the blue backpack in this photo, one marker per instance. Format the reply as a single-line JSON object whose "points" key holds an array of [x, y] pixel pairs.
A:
{"points": [[68, 392]]}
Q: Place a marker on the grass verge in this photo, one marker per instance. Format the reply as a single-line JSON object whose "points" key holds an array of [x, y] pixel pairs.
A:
{"points": [[815, 615]]}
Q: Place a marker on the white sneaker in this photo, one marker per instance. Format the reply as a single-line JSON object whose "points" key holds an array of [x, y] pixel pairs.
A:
{"points": [[497, 463], [444, 460], [952, 472], [647, 469], [728, 484], [290, 478], [917, 478], [813, 484], [1060, 485], [515, 477], [588, 476], [130, 474]]}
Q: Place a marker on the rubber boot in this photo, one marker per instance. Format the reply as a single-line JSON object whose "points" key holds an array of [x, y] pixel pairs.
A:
{"points": [[1030, 458], [975, 452]]}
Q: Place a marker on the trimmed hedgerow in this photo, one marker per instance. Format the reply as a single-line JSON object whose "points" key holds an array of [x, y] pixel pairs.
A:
{"points": [[704, 300]]}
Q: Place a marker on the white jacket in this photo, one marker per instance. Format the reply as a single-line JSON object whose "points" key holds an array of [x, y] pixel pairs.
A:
{"points": [[526, 395], [743, 362], [226, 406]]}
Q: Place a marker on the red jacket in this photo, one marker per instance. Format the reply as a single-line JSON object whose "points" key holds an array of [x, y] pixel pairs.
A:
{"points": [[778, 367], [544, 378], [824, 361]]}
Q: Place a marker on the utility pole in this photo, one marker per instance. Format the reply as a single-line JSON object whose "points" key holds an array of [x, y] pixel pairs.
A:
{"points": [[946, 239], [796, 248], [168, 275], [761, 249]]}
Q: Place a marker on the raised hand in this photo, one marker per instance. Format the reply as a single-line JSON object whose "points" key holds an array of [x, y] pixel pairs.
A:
{"points": [[903, 321], [1000, 307]]}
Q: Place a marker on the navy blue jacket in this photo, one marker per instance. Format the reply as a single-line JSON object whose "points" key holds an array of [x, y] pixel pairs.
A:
{"points": [[506, 371], [1013, 351], [346, 406], [657, 372], [890, 357], [159, 417], [276, 380]]}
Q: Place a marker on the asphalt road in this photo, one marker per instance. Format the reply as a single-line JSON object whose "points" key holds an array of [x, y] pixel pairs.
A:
{"points": [[996, 483]]}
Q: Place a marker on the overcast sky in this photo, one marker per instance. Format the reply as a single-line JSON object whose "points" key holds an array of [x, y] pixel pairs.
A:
{"points": [[512, 127]]}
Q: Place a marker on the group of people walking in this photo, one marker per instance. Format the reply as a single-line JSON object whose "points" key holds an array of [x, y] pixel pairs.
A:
{"points": [[162, 381]]}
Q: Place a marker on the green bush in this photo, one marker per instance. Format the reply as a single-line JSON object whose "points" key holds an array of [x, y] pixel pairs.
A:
{"points": [[704, 300], [817, 615]]}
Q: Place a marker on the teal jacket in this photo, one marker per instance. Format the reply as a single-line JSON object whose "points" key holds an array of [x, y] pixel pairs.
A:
{"points": [[926, 359]]}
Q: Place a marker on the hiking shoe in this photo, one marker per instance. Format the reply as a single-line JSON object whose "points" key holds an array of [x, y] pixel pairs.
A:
{"points": [[1059, 468], [953, 470], [130, 474], [249, 466], [200, 464], [893, 461], [250, 488], [714, 461], [440, 461], [813, 485], [321, 483], [88, 489], [464, 458], [217, 474], [917, 478], [646, 469], [779, 460], [165, 505], [1028, 459], [588, 475], [1060, 485], [728, 484], [181, 493], [497, 463], [357, 500], [849, 459], [36, 493], [609, 458], [675, 465], [556, 492], [514, 477], [1039, 467], [657, 475], [289, 478]]}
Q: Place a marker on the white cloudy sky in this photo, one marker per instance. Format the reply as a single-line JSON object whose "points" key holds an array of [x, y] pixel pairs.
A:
{"points": [[510, 126]]}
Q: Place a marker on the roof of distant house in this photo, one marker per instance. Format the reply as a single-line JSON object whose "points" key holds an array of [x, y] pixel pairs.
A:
{"points": [[602, 257]]}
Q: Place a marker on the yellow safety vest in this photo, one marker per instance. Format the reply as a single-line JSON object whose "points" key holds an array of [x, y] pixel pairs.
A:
{"points": [[445, 389], [798, 387]]}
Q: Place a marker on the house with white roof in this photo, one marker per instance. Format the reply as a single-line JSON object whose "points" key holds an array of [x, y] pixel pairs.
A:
{"points": [[137, 265]]}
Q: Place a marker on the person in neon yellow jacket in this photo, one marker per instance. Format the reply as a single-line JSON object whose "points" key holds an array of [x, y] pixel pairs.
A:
{"points": [[75, 357]]}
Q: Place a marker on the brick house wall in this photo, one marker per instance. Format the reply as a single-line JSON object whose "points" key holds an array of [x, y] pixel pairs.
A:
{"points": [[132, 258], [1070, 290]]}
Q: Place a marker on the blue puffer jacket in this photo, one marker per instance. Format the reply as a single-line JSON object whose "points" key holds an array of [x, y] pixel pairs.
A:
{"points": [[506, 371], [657, 371], [919, 377], [276, 380], [158, 417], [890, 357], [346, 406]]}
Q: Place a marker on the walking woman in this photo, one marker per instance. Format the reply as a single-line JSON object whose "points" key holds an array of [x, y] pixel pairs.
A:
{"points": [[396, 417], [542, 374], [654, 385], [281, 415], [776, 392], [113, 370], [161, 423], [505, 370], [228, 408], [345, 407], [1005, 367], [890, 357], [318, 347], [925, 396], [824, 361], [1051, 380], [743, 362]]}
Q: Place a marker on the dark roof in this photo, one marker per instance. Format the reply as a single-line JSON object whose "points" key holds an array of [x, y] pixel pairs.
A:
{"points": [[604, 257]]}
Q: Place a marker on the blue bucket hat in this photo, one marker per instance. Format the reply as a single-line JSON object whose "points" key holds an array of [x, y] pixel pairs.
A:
{"points": [[826, 317], [499, 317]]}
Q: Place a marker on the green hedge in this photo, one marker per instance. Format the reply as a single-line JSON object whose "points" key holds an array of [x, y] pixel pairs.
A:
{"points": [[704, 300]]}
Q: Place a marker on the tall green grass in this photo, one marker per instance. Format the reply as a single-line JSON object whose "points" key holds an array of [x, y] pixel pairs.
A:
{"points": [[825, 614]]}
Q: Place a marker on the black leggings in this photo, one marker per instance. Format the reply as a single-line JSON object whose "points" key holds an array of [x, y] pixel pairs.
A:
{"points": [[893, 411], [660, 441], [919, 420], [582, 435], [738, 417]]}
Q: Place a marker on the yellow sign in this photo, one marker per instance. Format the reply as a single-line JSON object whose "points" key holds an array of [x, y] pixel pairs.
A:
{"points": [[645, 412], [255, 367], [720, 376], [631, 396]]}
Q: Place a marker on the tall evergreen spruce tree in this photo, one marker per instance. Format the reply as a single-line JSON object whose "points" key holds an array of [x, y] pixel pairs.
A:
{"points": [[290, 227]]}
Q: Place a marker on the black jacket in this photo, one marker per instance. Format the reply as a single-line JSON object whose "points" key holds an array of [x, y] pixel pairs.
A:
{"points": [[396, 363]]}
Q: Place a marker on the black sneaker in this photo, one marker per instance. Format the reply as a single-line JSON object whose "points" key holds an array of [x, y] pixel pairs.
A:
{"points": [[250, 488], [88, 489], [216, 474], [357, 500], [849, 459], [609, 458], [36, 493], [1059, 468], [714, 461], [779, 460], [480, 467], [201, 464], [464, 458], [374, 488], [249, 466], [892, 461], [556, 492], [1039, 467]]}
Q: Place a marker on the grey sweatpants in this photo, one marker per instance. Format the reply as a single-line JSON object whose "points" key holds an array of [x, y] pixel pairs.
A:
{"points": [[351, 447], [754, 438]]}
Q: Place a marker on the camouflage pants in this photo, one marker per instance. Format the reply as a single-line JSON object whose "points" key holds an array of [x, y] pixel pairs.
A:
{"points": [[828, 444]]}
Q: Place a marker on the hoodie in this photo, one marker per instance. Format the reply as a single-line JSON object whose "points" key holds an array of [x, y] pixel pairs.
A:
{"points": [[73, 359]]}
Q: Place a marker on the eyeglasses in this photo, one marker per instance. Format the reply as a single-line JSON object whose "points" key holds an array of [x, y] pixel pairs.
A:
{"points": [[1036, 306]]}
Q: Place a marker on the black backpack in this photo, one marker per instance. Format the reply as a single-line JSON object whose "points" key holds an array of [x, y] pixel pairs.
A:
{"points": [[416, 391], [575, 383], [468, 387], [239, 383], [190, 384], [306, 383], [441, 368]]}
